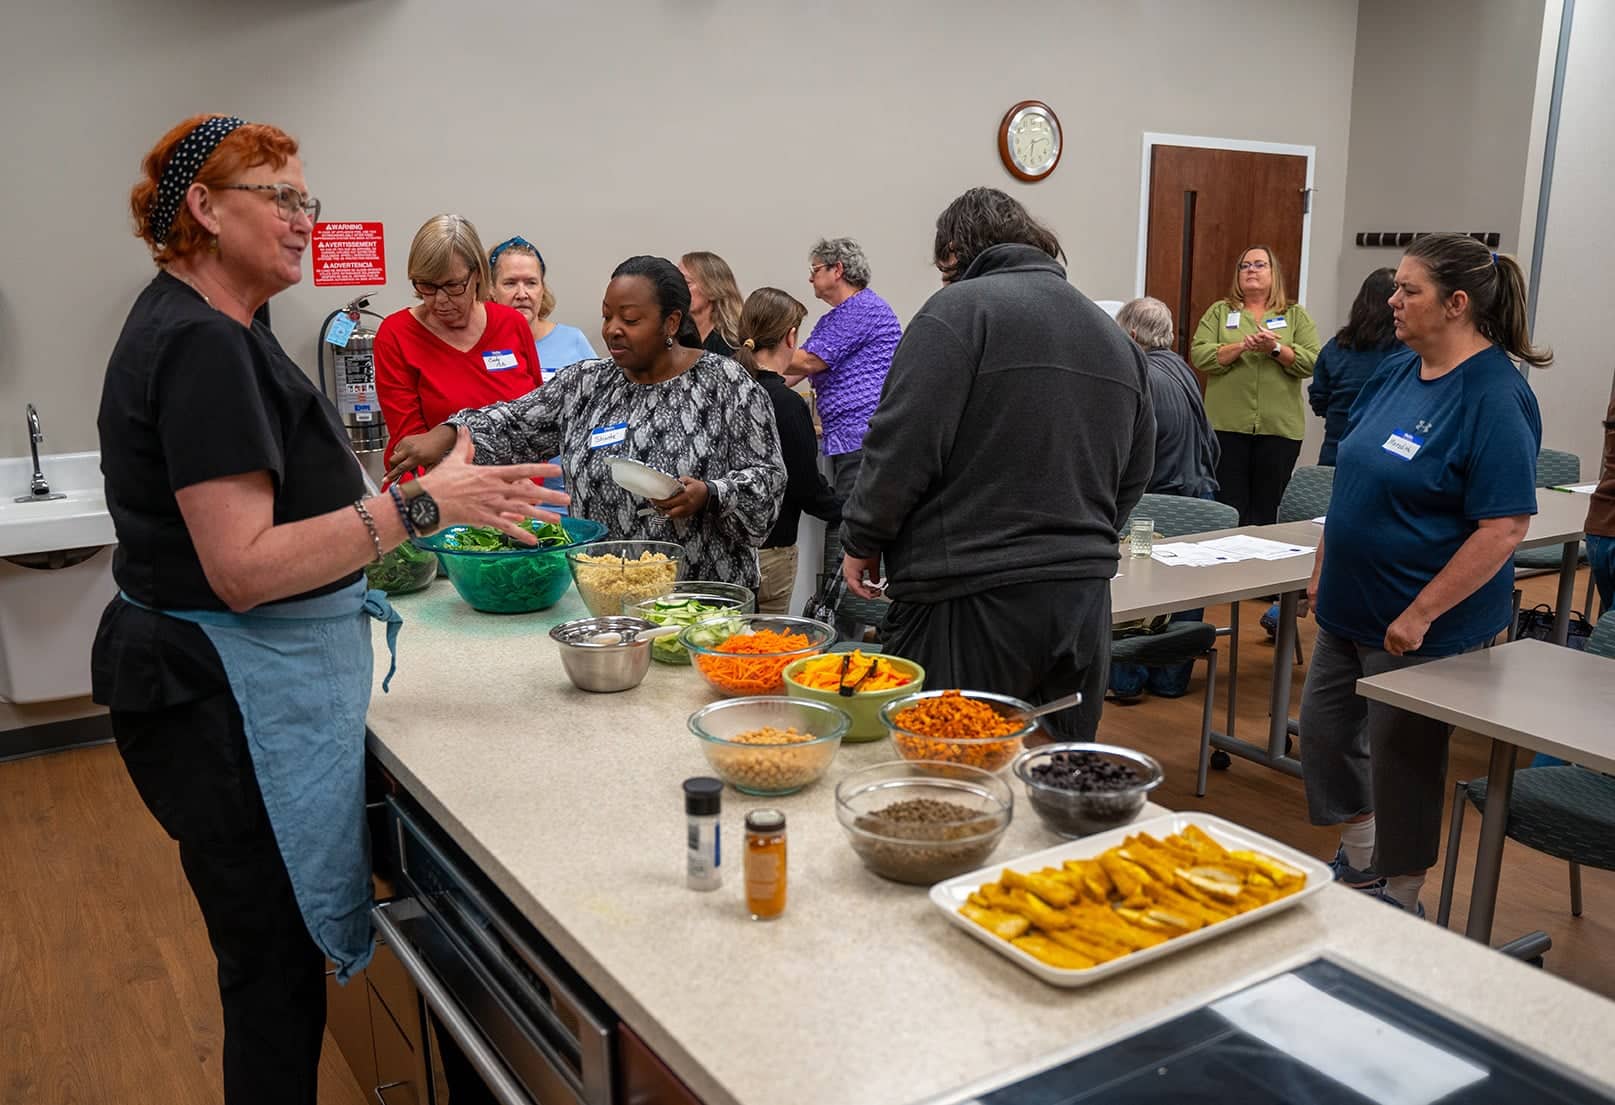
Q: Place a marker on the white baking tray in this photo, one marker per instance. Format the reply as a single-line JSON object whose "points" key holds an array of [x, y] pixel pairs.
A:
{"points": [[950, 895]]}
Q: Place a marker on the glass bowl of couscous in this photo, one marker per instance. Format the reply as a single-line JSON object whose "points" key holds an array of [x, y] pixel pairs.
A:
{"points": [[609, 574]]}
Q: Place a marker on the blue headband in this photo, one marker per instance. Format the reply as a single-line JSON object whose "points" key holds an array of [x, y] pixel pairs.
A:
{"points": [[493, 254], [193, 150]]}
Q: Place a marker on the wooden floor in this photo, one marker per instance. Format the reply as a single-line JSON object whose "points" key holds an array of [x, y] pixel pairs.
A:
{"points": [[107, 991]]}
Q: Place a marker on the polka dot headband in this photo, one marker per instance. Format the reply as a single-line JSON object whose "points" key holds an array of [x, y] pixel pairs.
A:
{"points": [[194, 149]]}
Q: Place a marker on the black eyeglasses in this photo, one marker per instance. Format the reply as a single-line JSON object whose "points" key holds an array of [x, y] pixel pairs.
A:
{"points": [[426, 289], [288, 200]]}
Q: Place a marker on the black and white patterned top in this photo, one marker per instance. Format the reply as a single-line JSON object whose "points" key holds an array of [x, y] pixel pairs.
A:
{"points": [[712, 422]]}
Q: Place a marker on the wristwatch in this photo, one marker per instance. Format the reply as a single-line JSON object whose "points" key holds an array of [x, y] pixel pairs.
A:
{"points": [[1277, 352], [420, 509]]}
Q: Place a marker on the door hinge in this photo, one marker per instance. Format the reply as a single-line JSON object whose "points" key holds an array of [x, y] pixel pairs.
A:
{"points": [[1306, 201]]}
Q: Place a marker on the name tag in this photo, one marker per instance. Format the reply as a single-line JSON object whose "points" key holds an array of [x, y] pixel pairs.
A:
{"points": [[1276, 323], [498, 360], [1403, 444], [608, 435], [1233, 321]]}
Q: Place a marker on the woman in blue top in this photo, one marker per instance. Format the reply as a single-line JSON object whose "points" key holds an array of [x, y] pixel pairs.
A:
{"points": [[1350, 358], [1434, 489], [519, 282]]}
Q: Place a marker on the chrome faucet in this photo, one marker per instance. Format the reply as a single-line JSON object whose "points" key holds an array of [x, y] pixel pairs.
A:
{"points": [[38, 488]]}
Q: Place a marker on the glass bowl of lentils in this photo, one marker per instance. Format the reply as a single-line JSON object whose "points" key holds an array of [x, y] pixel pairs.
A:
{"points": [[919, 821], [1079, 788]]}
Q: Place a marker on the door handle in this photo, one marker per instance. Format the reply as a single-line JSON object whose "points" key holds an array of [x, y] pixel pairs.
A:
{"points": [[381, 1091]]}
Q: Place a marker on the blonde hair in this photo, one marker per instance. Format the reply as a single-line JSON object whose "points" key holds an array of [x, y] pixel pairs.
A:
{"points": [[717, 280], [438, 242], [1278, 300], [546, 302]]}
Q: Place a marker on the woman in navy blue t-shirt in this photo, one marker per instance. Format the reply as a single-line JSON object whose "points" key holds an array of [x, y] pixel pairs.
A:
{"points": [[1350, 358], [1434, 488]]}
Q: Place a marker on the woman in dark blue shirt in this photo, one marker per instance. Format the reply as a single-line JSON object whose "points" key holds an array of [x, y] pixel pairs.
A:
{"points": [[1351, 357], [1434, 489]]}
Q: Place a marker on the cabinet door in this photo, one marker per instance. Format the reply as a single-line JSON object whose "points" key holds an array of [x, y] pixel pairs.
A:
{"points": [[347, 1017], [400, 1067], [645, 1079], [397, 992]]}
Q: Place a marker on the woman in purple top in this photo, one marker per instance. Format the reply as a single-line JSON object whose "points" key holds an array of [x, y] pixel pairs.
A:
{"points": [[848, 353]]}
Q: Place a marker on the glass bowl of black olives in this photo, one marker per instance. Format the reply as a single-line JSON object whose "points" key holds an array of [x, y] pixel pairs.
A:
{"points": [[1078, 789]]}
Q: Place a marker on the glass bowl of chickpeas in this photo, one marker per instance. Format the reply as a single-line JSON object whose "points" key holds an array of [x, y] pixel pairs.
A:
{"points": [[767, 745]]}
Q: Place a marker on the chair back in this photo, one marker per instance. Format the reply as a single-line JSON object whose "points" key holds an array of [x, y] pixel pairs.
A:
{"points": [[1307, 494], [1602, 642], [851, 607], [1557, 469], [1176, 515]]}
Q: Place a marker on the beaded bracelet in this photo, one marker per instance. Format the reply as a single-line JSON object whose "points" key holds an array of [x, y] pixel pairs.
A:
{"points": [[403, 509], [369, 524]]}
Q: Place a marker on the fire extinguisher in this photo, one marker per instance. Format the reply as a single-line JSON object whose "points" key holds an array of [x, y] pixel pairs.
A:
{"points": [[352, 386]]}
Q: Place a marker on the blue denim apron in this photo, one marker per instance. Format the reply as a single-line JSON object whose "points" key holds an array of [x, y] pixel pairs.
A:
{"points": [[301, 675]]}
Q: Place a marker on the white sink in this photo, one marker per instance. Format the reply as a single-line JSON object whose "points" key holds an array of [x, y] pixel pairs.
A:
{"points": [[78, 521]]}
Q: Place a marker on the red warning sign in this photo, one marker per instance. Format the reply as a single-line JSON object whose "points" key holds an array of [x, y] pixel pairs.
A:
{"points": [[349, 253]]}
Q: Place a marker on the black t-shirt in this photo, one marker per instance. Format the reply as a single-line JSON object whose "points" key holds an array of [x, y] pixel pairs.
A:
{"points": [[716, 344], [192, 395], [806, 489]]}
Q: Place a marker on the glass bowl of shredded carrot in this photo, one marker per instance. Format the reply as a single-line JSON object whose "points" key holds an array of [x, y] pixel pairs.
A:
{"points": [[978, 728], [753, 651], [873, 678]]}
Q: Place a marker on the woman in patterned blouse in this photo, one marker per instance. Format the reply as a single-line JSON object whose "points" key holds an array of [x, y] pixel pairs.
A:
{"points": [[659, 399]]}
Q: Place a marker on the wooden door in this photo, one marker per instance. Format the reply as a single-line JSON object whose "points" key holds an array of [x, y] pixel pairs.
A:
{"points": [[1206, 207]]}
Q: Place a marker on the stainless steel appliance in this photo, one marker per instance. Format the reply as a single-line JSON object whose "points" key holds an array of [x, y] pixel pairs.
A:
{"points": [[530, 1027]]}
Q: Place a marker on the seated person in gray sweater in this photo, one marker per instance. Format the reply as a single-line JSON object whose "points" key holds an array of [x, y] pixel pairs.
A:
{"points": [[1186, 453], [1013, 437], [1186, 448]]}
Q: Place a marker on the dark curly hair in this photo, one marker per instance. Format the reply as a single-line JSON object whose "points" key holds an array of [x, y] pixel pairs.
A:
{"points": [[977, 221]]}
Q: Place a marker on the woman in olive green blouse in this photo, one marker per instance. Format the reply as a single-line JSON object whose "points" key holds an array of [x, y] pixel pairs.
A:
{"points": [[1255, 348]]}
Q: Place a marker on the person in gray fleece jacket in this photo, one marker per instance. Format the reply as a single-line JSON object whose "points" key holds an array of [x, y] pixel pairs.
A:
{"points": [[1013, 438]]}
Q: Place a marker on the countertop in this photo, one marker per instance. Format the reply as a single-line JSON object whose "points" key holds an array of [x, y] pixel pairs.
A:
{"points": [[571, 804]]}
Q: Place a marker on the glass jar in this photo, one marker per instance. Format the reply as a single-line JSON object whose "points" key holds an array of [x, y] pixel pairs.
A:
{"points": [[765, 864]]}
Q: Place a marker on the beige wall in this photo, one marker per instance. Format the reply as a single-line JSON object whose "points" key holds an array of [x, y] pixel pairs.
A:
{"points": [[1441, 112], [601, 131], [1578, 280]]}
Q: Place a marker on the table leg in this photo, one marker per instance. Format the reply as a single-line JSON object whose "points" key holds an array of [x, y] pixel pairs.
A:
{"points": [[1493, 829], [1283, 668], [1567, 591]]}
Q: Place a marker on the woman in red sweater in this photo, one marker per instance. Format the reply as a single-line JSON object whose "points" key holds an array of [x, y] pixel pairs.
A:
{"points": [[454, 349]]}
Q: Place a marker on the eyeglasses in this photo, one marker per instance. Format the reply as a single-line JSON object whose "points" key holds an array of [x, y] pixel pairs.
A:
{"points": [[288, 200], [815, 270], [1252, 266], [426, 289]]}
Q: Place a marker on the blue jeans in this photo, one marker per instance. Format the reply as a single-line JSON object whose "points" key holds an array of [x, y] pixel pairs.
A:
{"points": [[1601, 557]]}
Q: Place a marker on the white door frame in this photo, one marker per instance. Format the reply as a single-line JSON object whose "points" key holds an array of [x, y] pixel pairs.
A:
{"points": [[1151, 140]]}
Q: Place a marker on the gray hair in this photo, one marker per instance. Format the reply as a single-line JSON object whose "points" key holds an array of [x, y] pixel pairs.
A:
{"points": [[1149, 321], [846, 253]]}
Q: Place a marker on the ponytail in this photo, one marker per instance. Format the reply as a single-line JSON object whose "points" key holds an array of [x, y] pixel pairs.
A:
{"points": [[1494, 284], [767, 318]]}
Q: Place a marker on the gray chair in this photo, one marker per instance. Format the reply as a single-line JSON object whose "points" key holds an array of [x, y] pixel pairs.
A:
{"points": [[850, 608], [1553, 469], [1306, 497], [1181, 642], [1564, 811]]}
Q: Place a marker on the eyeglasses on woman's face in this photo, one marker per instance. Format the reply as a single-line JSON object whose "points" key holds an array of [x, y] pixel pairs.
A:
{"points": [[426, 289], [1253, 266], [288, 200]]}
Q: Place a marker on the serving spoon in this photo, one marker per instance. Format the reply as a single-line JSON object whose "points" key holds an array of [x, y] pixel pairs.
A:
{"points": [[629, 636]]}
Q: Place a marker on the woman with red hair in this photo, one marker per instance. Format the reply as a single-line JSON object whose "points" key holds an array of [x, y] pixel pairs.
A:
{"points": [[242, 527]]}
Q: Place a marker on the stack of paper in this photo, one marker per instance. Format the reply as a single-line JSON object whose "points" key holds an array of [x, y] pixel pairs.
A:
{"points": [[1224, 550]]}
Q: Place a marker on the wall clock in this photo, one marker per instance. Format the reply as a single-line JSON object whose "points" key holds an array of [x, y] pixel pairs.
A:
{"points": [[1029, 140]]}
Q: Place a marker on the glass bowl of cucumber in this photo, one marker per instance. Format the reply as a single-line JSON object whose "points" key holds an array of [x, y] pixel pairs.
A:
{"points": [[694, 600]]}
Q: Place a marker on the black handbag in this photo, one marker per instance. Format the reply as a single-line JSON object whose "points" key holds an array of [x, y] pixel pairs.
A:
{"points": [[821, 605], [1537, 624]]}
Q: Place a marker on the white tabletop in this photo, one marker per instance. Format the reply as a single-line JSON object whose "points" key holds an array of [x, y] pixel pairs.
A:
{"points": [[1539, 696], [1559, 518], [1147, 587]]}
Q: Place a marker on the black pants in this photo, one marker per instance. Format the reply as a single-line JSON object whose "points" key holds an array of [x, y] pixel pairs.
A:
{"points": [[1253, 473], [1036, 641], [191, 766]]}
